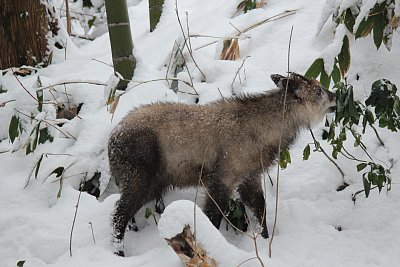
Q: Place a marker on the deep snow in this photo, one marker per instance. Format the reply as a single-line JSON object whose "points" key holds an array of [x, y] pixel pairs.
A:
{"points": [[35, 226]]}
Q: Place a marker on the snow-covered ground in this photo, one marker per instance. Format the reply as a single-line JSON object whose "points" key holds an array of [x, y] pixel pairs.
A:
{"points": [[35, 225]]}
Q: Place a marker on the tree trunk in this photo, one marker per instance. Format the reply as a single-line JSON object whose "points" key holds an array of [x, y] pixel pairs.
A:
{"points": [[23, 29], [121, 40], [155, 10]]}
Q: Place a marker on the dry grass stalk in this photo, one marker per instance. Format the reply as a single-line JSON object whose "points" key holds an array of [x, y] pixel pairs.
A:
{"points": [[190, 253]]}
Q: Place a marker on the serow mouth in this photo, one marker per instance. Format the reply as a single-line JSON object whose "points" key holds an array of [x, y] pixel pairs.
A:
{"points": [[331, 109]]}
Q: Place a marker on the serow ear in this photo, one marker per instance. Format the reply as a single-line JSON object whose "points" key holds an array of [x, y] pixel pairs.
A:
{"points": [[281, 82]]}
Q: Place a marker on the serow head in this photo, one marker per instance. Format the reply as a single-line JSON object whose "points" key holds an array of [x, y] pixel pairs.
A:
{"points": [[307, 91]]}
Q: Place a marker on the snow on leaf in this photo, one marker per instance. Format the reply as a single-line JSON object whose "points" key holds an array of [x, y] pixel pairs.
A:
{"points": [[331, 51], [367, 5]]}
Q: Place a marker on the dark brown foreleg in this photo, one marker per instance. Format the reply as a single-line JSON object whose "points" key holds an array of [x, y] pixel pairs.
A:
{"points": [[252, 195]]}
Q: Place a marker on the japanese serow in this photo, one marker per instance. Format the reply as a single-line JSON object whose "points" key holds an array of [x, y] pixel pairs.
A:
{"points": [[230, 142]]}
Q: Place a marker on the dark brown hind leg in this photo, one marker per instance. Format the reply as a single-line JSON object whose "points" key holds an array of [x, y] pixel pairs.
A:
{"points": [[120, 218], [133, 197], [252, 195], [216, 202]]}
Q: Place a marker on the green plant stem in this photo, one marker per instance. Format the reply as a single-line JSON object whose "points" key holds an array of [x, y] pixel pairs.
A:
{"points": [[377, 135], [320, 149]]}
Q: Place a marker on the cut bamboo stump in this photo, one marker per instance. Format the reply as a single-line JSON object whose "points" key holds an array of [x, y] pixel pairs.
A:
{"points": [[192, 254]]}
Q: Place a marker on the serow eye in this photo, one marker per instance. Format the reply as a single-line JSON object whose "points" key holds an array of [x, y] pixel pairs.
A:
{"points": [[319, 91]]}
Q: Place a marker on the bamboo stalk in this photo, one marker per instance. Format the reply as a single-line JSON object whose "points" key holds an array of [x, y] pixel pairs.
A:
{"points": [[121, 40], [155, 10]]}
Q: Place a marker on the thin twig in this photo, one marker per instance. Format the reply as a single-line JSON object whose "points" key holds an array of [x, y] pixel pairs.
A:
{"points": [[223, 98], [353, 196], [254, 237], [243, 262], [82, 37], [162, 79], [91, 227], [195, 203], [73, 82], [187, 69], [73, 222], [204, 36], [26, 90], [6, 102], [187, 46], [79, 13], [239, 31], [220, 210], [102, 62], [319, 148], [279, 148], [237, 72], [48, 124], [270, 19], [377, 135], [188, 33], [256, 249], [362, 145]]}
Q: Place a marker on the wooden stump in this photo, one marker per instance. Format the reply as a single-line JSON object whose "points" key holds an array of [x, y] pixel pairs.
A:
{"points": [[192, 254]]}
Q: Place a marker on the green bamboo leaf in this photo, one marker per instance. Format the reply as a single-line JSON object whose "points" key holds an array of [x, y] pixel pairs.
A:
{"points": [[396, 106], [38, 165], [39, 95], [336, 74], [344, 56], [380, 180], [315, 69], [379, 26], [325, 134], [91, 21], [288, 158], [44, 136], [364, 28], [35, 140], [367, 186], [361, 166], [148, 213], [13, 128], [58, 171], [325, 80], [306, 152], [2, 89], [349, 20]]}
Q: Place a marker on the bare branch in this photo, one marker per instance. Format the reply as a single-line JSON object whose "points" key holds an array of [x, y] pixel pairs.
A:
{"points": [[279, 148], [73, 222], [237, 72], [319, 148]]}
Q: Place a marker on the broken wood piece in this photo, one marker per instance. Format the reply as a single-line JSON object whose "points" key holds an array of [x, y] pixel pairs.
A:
{"points": [[192, 254], [230, 50]]}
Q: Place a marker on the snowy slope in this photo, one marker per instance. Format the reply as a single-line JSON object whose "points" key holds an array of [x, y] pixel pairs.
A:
{"points": [[35, 225]]}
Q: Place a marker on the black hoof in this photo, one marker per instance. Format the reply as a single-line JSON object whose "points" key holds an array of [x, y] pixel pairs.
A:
{"points": [[120, 253], [132, 226], [264, 233]]}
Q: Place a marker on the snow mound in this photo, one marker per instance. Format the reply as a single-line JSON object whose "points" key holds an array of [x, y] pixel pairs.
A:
{"points": [[184, 212]]}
